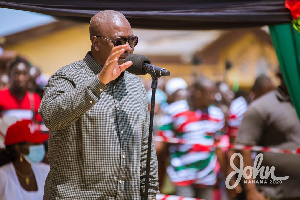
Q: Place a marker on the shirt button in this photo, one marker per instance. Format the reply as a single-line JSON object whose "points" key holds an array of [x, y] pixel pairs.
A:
{"points": [[123, 156], [120, 181], [91, 102], [101, 90]]}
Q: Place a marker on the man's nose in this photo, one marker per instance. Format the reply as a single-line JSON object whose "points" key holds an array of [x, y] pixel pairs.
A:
{"points": [[128, 48]]}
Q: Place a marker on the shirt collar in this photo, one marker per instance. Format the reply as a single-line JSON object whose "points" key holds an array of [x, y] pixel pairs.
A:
{"points": [[92, 64], [281, 95]]}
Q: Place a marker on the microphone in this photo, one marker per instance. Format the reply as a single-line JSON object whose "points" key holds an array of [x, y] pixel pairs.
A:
{"points": [[142, 65]]}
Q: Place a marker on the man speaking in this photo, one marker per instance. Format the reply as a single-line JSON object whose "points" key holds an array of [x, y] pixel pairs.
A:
{"points": [[98, 120]]}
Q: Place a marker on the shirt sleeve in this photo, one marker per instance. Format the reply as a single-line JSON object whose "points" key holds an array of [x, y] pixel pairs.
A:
{"points": [[251, 128], [236, 113], [64, 101], [153, 175]]}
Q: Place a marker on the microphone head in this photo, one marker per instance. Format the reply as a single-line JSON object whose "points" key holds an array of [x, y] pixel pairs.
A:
{"points": [[137, 64]]}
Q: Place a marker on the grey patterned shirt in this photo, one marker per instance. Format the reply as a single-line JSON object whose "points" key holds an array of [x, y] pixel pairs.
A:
{"points": [[98, 135]]}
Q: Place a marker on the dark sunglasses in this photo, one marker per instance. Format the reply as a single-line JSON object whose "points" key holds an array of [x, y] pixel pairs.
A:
{"points": [[121, 40]]}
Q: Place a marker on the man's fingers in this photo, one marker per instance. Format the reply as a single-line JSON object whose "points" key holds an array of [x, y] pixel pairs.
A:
{"points": [[116, 54], [116, 50], [110, 65], [125, 65]]}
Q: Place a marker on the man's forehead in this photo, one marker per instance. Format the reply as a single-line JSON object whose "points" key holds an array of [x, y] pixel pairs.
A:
{"points": [[112, 26]]}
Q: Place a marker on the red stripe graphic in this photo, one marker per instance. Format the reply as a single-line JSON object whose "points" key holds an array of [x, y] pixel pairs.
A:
{"points": [[202, 147]]}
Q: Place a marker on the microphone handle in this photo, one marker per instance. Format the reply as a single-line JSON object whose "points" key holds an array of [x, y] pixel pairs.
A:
{"points": [[155, 71]]}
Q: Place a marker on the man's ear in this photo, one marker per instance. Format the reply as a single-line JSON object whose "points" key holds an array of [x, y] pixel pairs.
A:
{"points": [[95, 43]]}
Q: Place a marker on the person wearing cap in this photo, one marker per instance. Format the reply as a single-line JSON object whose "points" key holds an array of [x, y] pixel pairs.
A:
{"points": [[176, 89], [160, 103], [192, 167], [23, 175]]}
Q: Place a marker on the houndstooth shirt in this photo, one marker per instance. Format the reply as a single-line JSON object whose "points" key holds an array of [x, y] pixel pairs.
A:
{"points": [[98, 135]]}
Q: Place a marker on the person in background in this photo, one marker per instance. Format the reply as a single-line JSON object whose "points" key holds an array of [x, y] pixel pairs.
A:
{"points": [[97, 114], [6, 58], [192, 167], [17, 100], [4, 81], [271, 121], [160, 103], [176, 89], [224, 96], [262, 85], [235, 115], [22, 176], [34, 72]]}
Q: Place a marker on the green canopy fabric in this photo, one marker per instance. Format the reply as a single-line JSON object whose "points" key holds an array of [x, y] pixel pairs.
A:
{"points": [[286, 41]]}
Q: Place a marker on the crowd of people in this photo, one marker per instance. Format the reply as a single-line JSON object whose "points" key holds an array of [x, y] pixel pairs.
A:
{"points": [[206, 112], [23, 147], [98, 117]]}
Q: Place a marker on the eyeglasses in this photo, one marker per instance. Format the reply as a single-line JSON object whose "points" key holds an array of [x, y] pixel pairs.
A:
{"points": [[121, 40]]}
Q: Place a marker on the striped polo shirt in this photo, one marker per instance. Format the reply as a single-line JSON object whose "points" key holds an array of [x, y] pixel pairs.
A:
{"points": [[236, 113], [190, 163]]}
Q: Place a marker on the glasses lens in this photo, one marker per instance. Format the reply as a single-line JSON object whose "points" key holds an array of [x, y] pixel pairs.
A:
{"points": [[132, 40], [120, 41]]}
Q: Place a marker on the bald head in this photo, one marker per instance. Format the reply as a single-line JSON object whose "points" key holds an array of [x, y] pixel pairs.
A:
{"points": [[262, 85], [105, 27], [105, 21]]}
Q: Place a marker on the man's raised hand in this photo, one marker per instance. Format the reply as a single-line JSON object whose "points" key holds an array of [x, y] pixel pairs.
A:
{"points": [[111, 69]]}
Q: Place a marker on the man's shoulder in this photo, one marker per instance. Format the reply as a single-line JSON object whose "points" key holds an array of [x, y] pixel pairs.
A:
{"points": [[71, 68], [265, 102]]}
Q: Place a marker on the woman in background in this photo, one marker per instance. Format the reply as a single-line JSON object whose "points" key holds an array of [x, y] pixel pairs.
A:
{"points": [[22, 175]]}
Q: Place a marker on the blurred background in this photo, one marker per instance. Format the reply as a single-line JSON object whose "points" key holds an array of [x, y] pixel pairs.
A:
{"points": [[236, 56]]}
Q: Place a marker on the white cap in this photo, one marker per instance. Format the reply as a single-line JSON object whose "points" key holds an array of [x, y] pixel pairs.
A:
{"points": [[175, 84]]}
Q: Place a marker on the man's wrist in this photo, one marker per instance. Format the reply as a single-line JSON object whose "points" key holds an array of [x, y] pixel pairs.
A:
{"points": [[101, 79]]}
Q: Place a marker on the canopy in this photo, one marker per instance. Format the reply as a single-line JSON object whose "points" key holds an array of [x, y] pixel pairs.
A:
{"points": [[167, 14]]}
